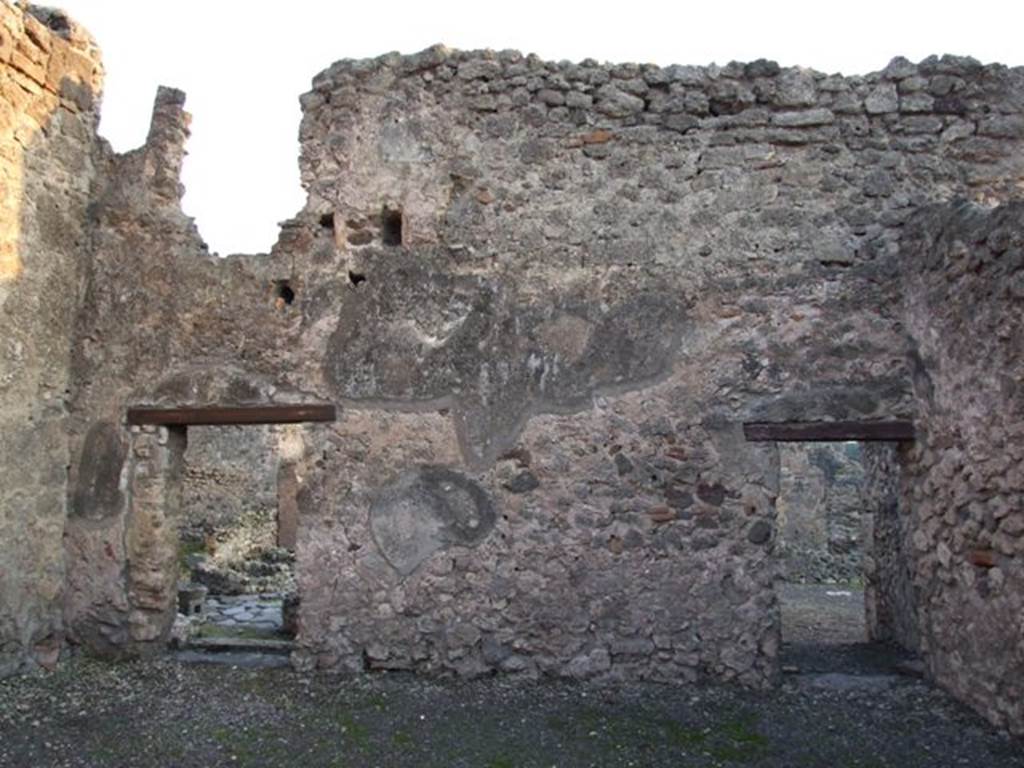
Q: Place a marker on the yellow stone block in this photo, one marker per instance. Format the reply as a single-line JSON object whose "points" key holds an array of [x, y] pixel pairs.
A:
{"points": [[38, 33], [35, 70]]}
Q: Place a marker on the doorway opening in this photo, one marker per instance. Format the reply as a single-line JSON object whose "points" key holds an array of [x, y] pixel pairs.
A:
{"points": [[824, 535], [844, 588], [234, 502], [237, 533]]}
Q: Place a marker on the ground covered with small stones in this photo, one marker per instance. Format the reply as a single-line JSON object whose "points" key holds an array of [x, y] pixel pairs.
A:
{"points": [[842, 704], [162, 713], [824, 632]]}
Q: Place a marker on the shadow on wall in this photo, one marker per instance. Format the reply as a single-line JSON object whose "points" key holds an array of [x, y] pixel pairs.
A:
{"points": [[48, 81]]}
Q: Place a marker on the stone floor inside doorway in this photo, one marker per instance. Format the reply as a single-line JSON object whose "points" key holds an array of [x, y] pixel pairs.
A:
{"points": [[237, 630], [824, 638], [241, 615]]}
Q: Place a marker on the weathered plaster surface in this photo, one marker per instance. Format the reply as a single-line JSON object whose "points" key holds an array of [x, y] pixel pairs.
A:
{"points": [[50, 77]]}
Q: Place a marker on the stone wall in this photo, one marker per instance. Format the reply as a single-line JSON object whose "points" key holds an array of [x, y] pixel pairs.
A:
{"points": [[50, 76], [230, 473], [143, 315], [889, 562], [965, 313], [545, 297], [524, 477], [821, 512], [236, 529], [549, 216]]}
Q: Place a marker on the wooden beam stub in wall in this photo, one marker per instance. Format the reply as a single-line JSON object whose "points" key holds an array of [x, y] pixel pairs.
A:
{"points": [[221, 415], [828, 431]]}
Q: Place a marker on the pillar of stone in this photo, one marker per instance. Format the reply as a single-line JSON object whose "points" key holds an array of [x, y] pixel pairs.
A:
{"points": [[151, 532], [287, 507]]}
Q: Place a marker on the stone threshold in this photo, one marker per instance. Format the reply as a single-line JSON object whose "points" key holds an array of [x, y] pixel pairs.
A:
{"points": [[241, 644]]}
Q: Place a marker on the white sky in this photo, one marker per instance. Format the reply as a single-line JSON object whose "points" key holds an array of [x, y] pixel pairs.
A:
{"points": [[243, 64]]}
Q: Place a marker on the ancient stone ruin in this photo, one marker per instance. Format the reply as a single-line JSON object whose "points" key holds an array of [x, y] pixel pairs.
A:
{"points": [[528, 326], [821, 516]]}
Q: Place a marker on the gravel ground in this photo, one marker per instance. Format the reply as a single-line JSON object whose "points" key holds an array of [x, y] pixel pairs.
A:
{"points": [[167, 714], [163, 713], [824, 631], [827, 614]]}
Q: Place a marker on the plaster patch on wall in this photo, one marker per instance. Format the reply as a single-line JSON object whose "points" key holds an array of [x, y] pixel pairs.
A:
{"points": [[97, 493], [498, 356], [426, 511]]}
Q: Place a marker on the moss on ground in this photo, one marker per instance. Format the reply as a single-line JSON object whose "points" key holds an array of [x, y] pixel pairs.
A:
{"points": [[217, 717]]}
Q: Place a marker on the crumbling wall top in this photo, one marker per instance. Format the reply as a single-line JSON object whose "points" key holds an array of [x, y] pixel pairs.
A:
{"points": [[769, 83]]}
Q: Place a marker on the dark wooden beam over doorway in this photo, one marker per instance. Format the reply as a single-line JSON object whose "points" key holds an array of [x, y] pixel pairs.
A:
{"points": [[243, 414], [828, 431]]}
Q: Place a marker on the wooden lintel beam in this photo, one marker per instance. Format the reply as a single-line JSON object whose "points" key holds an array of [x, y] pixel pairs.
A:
{"points": [[828, 431], [214, 415]]}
